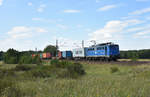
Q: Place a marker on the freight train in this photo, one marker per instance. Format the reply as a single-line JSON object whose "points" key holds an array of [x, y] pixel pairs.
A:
{"points": [[104, 51], [43, 55]]}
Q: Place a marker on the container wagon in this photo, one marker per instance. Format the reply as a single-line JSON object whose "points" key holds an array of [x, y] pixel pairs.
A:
{"points": [[79, 53], [59, 55], [46, 56], [67, 54]]}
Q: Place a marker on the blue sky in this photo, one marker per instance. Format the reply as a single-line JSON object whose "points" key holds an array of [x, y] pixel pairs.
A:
{"points": [[30, 24]]}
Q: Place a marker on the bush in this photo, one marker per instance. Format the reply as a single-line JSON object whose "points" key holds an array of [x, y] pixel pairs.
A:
{"points": [[76, 67], [134, 59], [39, 72], [114, 69], [23, 68], [55, 63], [12, 60], [64, 63], [37, 60], [59, 69], [70, 70], [25, 60], [11, 56]]}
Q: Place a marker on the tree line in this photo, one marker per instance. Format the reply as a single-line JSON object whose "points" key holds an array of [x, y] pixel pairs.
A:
{"points": [[12, 56], [141, 54]]}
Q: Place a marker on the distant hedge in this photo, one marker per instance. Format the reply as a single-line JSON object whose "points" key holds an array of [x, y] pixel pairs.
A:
{"points": [[141, 54], [27, 59], [15, 57]]}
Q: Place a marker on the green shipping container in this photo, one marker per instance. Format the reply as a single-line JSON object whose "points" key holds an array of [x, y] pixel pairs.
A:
{"points": [[41, 55]]}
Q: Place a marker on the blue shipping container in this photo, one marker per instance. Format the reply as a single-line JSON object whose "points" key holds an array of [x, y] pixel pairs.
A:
{"points": [[67, 54]]}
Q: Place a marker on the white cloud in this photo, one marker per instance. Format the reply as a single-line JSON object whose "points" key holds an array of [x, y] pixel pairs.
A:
{"points": [[24, 32], [113, 30], [30, 4], [106, 33], [142, 34], [107, 7], [139, 12], [138, 29], [41, 8], [141, 31], [71, 11], [1, 2], [148, 18], [21, 37], [133, 22]]}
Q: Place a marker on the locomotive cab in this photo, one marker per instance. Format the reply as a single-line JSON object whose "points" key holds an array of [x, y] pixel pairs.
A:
{"points": [[114, 51]]}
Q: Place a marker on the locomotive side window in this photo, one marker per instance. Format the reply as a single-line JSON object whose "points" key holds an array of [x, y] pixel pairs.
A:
{"points": [[91, 49], [100, 48]]}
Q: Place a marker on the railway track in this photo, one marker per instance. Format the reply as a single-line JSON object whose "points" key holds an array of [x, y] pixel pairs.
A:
{"points": [[130, 63]]}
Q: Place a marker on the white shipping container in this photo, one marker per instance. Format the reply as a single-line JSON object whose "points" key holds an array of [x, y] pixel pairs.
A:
{"points": [[79, 52]]}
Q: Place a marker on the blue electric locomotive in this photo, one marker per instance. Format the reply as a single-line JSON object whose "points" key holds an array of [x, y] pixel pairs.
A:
{"points": [[108, 51]]}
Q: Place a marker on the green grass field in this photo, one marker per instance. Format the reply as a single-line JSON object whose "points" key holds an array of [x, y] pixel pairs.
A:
{"points": [[99, 81], [137, 60]]}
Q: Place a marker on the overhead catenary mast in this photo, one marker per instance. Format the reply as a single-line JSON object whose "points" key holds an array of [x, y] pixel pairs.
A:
{"points": [[82, 43], [93, 42], [56, 47]]}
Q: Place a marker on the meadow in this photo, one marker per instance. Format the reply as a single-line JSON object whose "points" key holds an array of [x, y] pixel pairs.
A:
{"points": [[100, 80]]}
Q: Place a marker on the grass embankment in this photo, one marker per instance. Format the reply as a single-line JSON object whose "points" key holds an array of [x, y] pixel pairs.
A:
{"points": [[146, 60], [99, 81]]}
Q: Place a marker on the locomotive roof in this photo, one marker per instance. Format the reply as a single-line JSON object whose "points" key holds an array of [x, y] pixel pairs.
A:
{"points": [[102, 44]]}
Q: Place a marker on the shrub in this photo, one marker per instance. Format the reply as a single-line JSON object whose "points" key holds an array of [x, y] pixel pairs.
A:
{"points": [[37, 60], [25, 60], [75, 70], [55, 63], [114, 69], [11, 60], [11, 56], [134, 59], [70, 70], [39, 72], [23, 68], [76, 67], [59, 69], [64, 63]]}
